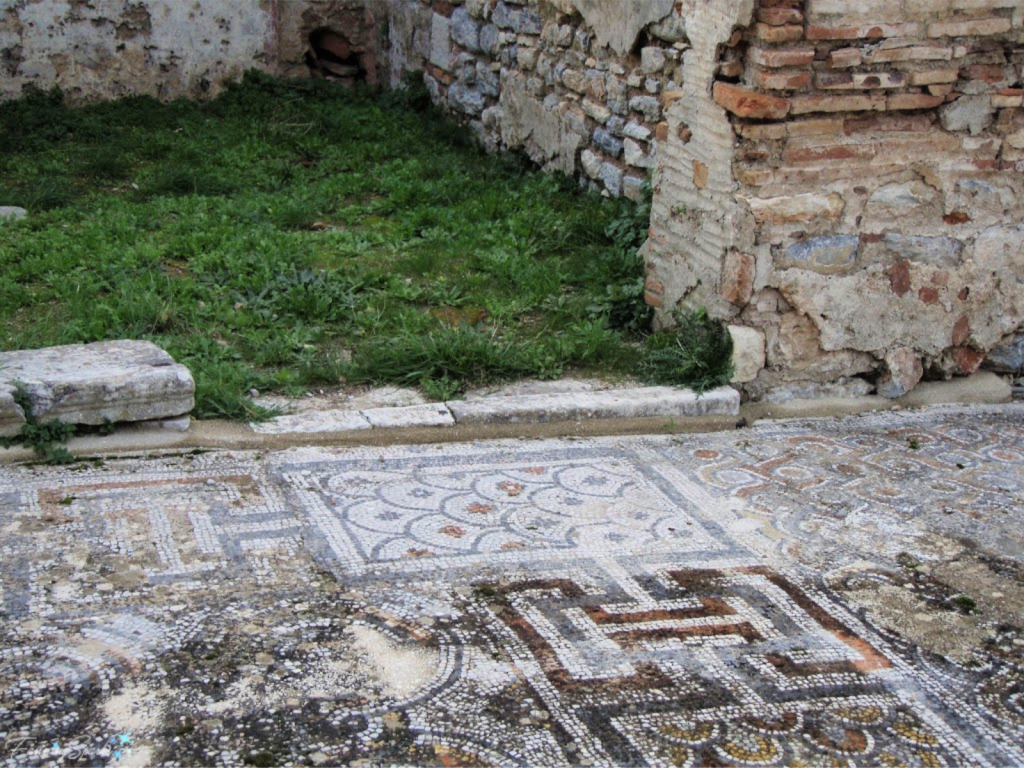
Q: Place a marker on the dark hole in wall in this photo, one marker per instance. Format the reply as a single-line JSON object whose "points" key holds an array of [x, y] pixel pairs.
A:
{"points": [[332, 56]]}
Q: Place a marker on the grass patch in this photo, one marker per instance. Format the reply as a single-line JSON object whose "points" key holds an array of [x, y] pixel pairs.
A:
{"points": [[696, 353], [267, 237]]}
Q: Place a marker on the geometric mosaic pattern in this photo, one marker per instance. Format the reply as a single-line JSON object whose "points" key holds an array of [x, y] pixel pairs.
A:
{"points": [[615, 601]]}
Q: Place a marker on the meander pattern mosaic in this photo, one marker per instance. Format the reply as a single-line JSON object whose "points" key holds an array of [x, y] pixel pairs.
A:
{"points": [[628, 601]]}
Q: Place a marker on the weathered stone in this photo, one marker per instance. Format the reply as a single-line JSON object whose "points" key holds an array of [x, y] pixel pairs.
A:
{"points": [[903, 371], [440, 42], [747, 353], [547, 139], [636, 131], [604, 140], [527, 58], [1000, 250], [618, 23], [530, 23], [738, 278], [465, 30], [652, 59], [93, 383], [489, 39], [310, 422], [903, 197], [662, 402], [832, 252], [487, 81], [11, 212], [617, 95], [596, 111], [633, 188], [634, 155], [1007, 358], [466, 99], [612, 176], [505, 17], [429, 415], [938, 251], [844, 387], [968, 113], [649, 106], [591, 162], [797, 208]]}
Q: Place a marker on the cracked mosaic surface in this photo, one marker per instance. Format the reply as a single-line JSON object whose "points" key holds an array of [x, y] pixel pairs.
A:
{"points": [[690, 600]]}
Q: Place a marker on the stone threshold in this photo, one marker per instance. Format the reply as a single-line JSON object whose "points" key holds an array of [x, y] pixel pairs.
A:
{"points": [[397, 425], [633, 403]]}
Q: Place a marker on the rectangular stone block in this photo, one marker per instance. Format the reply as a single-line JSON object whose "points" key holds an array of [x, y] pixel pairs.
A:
{"points": [[969, 27], [661, 402], [114, 381], [427, 415], [440, 42], [310, 422]]}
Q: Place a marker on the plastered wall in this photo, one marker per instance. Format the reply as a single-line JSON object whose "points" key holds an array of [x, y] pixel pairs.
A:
{"points": [[109, 48]]}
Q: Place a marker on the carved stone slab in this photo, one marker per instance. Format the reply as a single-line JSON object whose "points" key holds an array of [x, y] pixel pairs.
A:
{"points": [[92, 383]]}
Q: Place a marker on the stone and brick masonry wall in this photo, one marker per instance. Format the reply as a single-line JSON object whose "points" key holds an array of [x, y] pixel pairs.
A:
{"points": [[840, 182], [843, 183]]}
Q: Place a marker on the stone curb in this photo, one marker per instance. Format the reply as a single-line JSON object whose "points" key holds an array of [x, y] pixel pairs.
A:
{"points": [[644, 402]]}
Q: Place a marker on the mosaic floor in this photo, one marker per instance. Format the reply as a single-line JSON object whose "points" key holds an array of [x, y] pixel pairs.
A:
{"points": [[712, 600]]}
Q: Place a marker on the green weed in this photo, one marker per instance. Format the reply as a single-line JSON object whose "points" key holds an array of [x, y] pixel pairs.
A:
{"points": [[697, 353], [965, 604], [462, 356], [45, 439], [260, 236], [43, 193]]}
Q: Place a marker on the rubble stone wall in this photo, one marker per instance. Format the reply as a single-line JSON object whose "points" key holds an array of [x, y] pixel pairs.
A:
{"points": [[579, 85]]}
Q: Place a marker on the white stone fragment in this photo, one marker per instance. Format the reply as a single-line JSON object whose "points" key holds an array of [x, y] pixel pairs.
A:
{"points": [[666, 402], [440, 42], [116, 381], [747, 352], [312, 422], [429, 415], [12, 212]]}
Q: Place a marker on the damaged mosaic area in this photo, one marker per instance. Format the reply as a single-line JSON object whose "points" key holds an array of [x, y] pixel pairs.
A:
{"points": [[688, 601]]}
